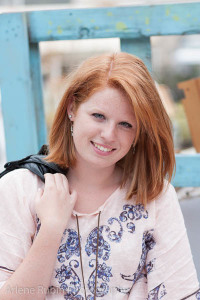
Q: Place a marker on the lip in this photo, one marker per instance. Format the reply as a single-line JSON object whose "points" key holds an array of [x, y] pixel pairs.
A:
{"points": [[105, 146], [98, 151]]}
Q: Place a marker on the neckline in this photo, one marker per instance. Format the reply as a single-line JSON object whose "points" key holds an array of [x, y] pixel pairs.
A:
{"points": [[100, 208]]}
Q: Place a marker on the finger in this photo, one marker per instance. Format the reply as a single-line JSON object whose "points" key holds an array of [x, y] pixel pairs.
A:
{"points": [[58, 181], [49, 180], [65, 183], [41, 191]]}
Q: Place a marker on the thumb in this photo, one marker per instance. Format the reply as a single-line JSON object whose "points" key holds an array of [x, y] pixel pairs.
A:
{"points": [[40, 192]]}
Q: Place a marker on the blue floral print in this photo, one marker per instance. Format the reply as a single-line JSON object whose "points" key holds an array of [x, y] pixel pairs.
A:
{"points": [[133, 212], [148, 243], [198, 295], [64, 273], [103, 246], [150, 266], [70, 247], [157, 293], [103, 276], [113, 236], [68, 274]]}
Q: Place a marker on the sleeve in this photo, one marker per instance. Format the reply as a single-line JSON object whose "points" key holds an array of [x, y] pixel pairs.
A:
{"points": [[17, 219], [171, 273]]}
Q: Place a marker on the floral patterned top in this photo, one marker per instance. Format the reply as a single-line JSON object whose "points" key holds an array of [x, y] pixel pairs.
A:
{"points": [[142, 253]]}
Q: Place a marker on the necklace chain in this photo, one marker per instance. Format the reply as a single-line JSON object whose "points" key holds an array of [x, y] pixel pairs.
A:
{"points": [[81, 261]]}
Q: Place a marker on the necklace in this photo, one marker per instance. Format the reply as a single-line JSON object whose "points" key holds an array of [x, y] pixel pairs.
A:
{"points": [[81, 261]]}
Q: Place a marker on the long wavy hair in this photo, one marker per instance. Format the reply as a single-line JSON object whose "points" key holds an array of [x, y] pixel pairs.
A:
{"points": [[154, 159]]}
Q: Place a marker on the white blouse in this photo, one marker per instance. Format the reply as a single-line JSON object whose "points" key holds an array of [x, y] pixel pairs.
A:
{"points": [[141, 254]]}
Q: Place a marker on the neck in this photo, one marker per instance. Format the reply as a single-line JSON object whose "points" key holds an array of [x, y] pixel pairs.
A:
{"points": [[92, 177]]}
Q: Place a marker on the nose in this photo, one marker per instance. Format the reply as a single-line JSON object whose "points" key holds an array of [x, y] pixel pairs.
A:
{"points": [[108, 132]]}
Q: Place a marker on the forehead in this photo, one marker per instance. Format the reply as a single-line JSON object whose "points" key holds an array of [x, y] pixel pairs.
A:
{"points": [[111, 100]]}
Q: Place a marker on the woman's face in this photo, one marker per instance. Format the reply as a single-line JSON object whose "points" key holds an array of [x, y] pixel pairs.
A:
{"points": [[104, 128]]}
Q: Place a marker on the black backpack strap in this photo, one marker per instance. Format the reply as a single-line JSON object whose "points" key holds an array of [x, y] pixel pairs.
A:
{"points": [[13, 165], [34, 163]]}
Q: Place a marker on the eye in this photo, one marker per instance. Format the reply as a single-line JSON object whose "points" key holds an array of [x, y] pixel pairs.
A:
{"points": [[98, 116], [126, 125]]}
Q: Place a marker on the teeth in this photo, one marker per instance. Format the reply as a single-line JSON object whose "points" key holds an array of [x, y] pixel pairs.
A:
{"points": [[102, 148]]}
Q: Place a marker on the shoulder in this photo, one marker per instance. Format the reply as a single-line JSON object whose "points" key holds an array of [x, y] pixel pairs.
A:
{"points": [[17, 174], [167, 196], [168, 213], [21, 178], [19, 187], [166, 205]]}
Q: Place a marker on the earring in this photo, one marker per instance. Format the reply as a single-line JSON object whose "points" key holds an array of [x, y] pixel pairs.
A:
{"points": [[70, 116], [133, 150], [71, 129]]}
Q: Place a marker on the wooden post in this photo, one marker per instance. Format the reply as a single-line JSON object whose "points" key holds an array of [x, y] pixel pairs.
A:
{"points": [[16, 87], [191, 104], [140, 47]]}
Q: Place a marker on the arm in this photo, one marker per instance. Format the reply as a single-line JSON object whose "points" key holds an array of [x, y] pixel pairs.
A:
{"points": [[170, 270], [53, 207], [173, 273], [32, 278]]}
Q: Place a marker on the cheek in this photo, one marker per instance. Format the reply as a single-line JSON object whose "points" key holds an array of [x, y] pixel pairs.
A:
{"points": [[128, 140], [85, 129]]}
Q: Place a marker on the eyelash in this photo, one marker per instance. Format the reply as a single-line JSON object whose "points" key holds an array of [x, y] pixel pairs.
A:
{"points": [[98, 116], [101, 117], [126, 125]]}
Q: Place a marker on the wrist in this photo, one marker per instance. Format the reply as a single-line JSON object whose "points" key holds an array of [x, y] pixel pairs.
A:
{"points": [[52, 227]]}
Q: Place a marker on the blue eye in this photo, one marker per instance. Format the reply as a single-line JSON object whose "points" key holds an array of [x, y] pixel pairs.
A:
{"points": [[126, 125], [98, 116]]}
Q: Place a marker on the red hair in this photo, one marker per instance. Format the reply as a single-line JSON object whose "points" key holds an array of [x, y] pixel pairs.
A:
{"points": [[154, 158]]}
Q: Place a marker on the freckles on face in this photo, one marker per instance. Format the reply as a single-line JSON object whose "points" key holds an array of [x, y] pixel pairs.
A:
{"points": [[104, 122]]}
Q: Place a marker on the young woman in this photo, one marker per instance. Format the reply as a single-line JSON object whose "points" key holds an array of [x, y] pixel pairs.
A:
{"points": [[112, 227]]}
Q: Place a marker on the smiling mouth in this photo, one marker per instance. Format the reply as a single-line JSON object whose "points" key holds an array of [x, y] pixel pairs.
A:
{"points": [[104, 149]]}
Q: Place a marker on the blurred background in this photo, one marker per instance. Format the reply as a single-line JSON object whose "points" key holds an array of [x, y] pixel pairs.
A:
{"points": [[174, 59]]}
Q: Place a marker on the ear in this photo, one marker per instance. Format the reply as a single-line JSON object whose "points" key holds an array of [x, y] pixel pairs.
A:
{"points": [[70, 110]]}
